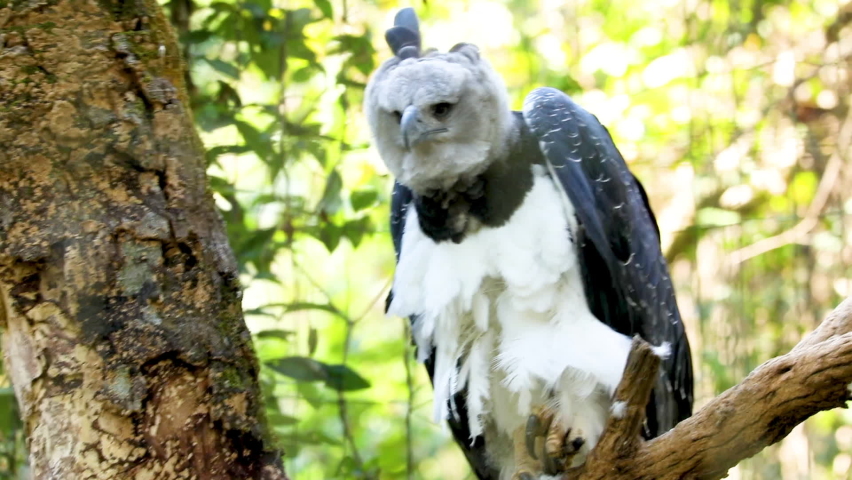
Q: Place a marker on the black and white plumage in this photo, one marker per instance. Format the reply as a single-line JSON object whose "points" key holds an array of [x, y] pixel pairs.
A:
{"points": [[527, 253]]}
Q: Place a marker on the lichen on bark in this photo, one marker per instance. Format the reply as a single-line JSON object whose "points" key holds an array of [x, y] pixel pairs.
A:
{"points": [[119, 298]]}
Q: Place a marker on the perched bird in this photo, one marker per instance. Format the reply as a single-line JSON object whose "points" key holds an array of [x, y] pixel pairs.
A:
{"points": [[527, 258]]}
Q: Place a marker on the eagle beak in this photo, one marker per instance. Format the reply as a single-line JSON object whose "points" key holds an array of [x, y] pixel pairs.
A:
{"points": [[413, 128], [409, 126]]}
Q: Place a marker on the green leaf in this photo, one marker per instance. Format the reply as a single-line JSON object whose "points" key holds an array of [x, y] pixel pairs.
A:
{"points": [[256, 241], [330, 202], [214, 153], [228, 26], [317, 438], [300, 368], [301, 17], [220, 185], [364, 198], [227, 93], [310, 393], [312, 341], [355, 230], [297, 306], [196, 36], [214, 114], [344, 379], [222, 6], [281, 420], [304, 74], [325, 8], [279, 334], [339, 377], [568, 84], [317, 150], [267, 198], [329, 235], [254, 140], [300, 50], [348, 467], [264, 273], [9, 420], [300, 306], [224, 68], [256, 10]]}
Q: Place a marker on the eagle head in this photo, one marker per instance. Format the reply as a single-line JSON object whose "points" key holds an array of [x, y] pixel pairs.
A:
{"points": [[437, 118]]}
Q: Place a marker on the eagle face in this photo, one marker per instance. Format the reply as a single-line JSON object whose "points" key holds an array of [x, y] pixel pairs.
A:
{"points": [[437, 119]]}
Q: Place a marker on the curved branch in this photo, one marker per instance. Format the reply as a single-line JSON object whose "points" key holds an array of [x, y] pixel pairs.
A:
{"points": [[742, 421]]}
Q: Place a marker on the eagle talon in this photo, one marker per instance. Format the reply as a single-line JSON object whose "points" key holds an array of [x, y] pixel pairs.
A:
{"points": [[533, 430], [552, 464], [556, 455], [538, 425]]}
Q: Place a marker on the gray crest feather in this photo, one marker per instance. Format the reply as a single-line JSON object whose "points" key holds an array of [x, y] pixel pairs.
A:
{"points": [[404, 37], [467, 49]]}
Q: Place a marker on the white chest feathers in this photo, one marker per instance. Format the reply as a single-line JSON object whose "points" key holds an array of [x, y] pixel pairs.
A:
{"points": [[506, 313]]}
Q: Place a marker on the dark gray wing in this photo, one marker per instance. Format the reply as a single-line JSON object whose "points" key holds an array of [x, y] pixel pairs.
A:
{"points": [[474, 451], [625, 276]]}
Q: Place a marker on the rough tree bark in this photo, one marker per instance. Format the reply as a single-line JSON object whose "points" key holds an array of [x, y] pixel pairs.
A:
{"points": [[780, 394], [119, 300]]}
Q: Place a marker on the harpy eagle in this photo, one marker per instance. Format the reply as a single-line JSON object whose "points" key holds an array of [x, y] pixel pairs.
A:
{"points": [[527, 258]]}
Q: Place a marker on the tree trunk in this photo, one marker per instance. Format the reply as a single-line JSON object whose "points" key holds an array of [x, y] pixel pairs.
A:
{"points": [[119, 297]]}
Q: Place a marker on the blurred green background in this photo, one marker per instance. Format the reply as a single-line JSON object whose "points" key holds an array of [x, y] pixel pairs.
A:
{"points": [[735, 115]]}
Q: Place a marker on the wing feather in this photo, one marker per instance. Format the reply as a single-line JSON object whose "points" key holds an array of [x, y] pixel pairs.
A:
{"points": [[625, 274]]}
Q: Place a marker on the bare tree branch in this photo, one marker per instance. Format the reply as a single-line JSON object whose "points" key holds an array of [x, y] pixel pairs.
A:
{"points": [[742, 421]]}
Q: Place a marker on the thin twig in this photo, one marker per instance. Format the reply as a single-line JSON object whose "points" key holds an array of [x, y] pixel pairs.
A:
{"points": [[409, 408], [342, 409]]}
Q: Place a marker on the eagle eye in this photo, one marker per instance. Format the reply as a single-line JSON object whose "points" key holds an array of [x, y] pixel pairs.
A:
{"points": [[441, 110]]}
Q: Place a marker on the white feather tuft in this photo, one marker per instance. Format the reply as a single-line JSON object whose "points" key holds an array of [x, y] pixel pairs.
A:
{"points": [[478, 381], [480, 311], [618, 409], [663, 351]]}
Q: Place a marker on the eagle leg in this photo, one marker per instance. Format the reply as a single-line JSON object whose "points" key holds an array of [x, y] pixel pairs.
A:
{"points": [[527, 467]]}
